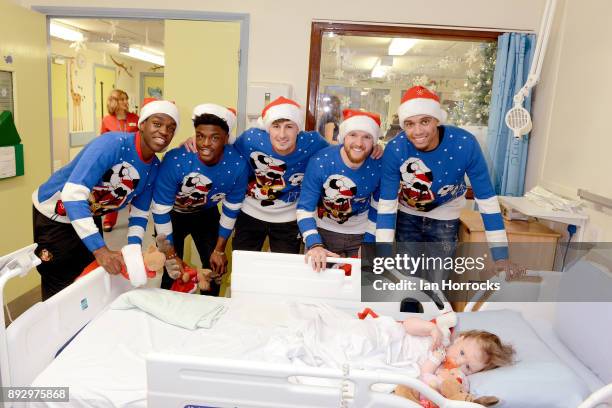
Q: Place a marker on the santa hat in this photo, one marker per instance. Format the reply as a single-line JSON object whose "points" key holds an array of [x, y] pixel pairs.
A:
{"points": [[281, 108], [154, 107], [419, 100], [226, 114], [359, 120]]}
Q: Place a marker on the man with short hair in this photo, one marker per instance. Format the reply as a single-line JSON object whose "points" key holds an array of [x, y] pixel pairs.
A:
{"points": [[190, 186], [107, 175], [337, 207], [427, 164], [278, 153]]}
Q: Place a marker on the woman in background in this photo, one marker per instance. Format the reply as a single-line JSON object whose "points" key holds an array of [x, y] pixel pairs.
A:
{"points": [[119, 119]]}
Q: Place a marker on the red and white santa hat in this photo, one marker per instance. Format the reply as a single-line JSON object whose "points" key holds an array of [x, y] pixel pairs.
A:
{"points": [[359, 120], [152, 107], [281, 108], [419, 100], [226, 114]]}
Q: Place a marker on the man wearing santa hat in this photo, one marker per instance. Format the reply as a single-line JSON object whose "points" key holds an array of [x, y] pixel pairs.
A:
{"points": [[278, 151], [107, 175], [337, 207], [190, 186], [427, 164]]}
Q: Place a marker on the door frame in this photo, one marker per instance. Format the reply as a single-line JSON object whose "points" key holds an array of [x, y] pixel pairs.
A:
{"points": [[158, 14], [95, 91]]}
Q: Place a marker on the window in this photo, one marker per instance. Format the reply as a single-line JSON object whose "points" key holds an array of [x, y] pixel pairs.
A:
{"points": [[370, 67]]}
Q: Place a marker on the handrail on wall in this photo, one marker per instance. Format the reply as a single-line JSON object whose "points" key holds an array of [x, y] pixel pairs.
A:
{"points": [[595, 198]]}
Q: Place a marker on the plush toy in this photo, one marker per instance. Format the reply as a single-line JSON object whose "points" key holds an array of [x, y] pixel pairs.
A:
{"points": [[451, 384], [192, 279], [137, 270]]}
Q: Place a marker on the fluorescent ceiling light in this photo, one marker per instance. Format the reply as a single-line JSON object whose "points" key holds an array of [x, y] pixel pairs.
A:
{"points": [[400, 46], [65, 33], [143, 55], [380, 70]]}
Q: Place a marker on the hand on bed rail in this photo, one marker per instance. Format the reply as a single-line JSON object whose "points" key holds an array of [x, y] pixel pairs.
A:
{"points": [[111, 261], [318, 257]]}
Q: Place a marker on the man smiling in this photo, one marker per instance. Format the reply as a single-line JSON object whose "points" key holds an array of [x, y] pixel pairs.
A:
{"points": [[190, 186], [337, 207], [427, 163], [108, 174]]}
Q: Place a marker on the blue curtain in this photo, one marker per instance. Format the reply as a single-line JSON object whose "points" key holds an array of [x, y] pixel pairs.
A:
{"points": [[508, 156]]}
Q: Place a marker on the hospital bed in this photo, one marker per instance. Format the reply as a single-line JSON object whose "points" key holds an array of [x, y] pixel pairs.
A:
{"points": [[549, 356]]}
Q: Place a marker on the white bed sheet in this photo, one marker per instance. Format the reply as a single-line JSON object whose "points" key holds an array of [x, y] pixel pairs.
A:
{"points": [[104, 366]]}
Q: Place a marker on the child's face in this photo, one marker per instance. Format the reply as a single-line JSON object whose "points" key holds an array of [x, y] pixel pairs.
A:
{"points": [[467, 354]]}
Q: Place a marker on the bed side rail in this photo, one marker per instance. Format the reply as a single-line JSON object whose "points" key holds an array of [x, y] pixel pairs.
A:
{"points": [[288, 277], [179, 381], [36, 337]]}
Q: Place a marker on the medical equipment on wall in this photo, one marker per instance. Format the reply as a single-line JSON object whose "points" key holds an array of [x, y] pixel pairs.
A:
{"points": [[518, 118], [260, 94]]}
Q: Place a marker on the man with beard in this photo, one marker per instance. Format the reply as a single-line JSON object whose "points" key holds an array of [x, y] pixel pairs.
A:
{"points": [[107, 175], [190, 186], [337, 207]]}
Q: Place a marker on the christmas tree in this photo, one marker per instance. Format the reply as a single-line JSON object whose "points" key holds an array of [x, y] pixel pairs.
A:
{"points": [[473, 108]]}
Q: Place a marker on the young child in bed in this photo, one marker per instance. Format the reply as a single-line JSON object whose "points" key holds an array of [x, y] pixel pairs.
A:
{"points": [[470, 352]]}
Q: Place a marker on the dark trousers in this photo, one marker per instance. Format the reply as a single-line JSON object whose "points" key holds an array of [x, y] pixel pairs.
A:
{"points": [[63, 254], [250, 234], [437, 238], [203, 226], [345, 245]]}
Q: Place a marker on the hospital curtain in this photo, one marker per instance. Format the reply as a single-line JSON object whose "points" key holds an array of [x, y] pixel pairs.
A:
{"points": [[508, 156]]}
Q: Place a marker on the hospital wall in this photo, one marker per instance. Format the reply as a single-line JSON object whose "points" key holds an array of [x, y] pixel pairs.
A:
{"points": [[279, 41], [26, 42], [280, 30], [570, 144]]}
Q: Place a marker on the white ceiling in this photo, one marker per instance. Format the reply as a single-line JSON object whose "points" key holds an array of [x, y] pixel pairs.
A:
{"points": [[149, 33]]}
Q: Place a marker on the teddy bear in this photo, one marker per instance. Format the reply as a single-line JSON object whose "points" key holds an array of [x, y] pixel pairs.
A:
{"points": [[188, 278], [451, 384], [153, 261]]}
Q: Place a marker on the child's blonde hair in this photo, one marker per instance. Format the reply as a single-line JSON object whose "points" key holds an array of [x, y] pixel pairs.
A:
{"points": [[497, 354]]}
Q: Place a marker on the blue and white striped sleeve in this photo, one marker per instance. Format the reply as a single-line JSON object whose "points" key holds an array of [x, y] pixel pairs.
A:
{"points": [[488, 205], [164, 194], [307, 204], [387, 204], [139, 209], [95, 159], [370, 234], [233, 202]]}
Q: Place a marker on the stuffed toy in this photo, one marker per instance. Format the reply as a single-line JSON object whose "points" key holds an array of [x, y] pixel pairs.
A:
{"points": [[192, 279], [451, 384], [139, 266], [188, 278]]}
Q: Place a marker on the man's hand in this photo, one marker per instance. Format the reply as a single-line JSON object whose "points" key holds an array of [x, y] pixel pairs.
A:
{"points": [[218, 263], [190, 145], [513, 271], [377, 152], [174, 267], [317, 256], [111, 261]]}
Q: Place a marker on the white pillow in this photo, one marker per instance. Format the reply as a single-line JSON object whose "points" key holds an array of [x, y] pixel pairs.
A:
{"points": [[537, 379]]}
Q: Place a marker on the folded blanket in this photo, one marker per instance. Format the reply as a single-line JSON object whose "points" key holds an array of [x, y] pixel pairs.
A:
{"points": [[178, 309]]}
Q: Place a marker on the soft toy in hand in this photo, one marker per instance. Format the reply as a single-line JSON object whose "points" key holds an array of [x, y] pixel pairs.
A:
{"points": [[187, 279]]}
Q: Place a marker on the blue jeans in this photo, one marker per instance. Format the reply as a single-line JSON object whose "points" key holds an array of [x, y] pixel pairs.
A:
{"points": [[439, 236]]}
